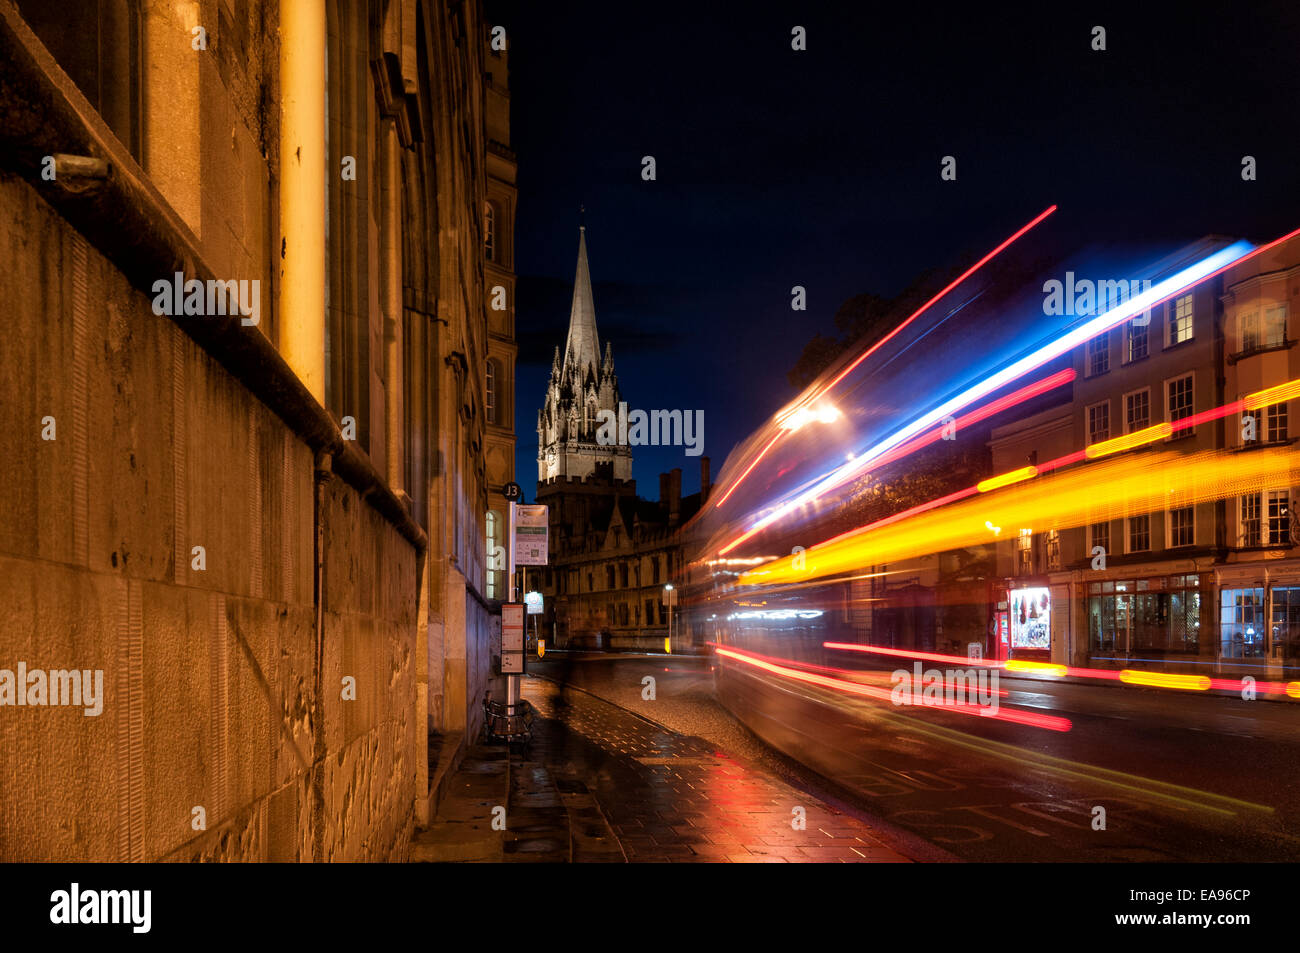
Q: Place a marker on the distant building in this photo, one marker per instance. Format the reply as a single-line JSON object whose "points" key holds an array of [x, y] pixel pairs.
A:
{"points": [[611, 553], [1196, 587]]}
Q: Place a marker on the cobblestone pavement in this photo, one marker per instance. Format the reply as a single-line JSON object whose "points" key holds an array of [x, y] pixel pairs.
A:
{"points": [[671, 797]]}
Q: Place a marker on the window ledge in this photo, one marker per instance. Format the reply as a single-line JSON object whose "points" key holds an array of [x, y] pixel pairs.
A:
{"points": [[1286, 345]]}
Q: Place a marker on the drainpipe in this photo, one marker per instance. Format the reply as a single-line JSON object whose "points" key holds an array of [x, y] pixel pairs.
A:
{"points": [[301, 309], [323, 474], [390, 257]]}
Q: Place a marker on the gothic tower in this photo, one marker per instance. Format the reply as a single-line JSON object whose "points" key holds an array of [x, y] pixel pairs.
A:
{"points": [[582, 384]]}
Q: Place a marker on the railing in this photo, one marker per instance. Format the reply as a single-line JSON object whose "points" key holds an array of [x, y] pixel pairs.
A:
{"points": [[508, 723]]}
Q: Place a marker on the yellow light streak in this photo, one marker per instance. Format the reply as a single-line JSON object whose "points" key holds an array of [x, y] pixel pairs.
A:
{"points": [[1109, 489], [1128, 441], [1006, 479], [1195, 683]]}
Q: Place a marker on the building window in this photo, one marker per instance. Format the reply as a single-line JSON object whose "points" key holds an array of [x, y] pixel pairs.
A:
{"points": [[1249, 331], [1099, 354], [1250, 530], [1279, 518], [1025, 551], [622, 574], [1158, 614], [1275, 327], [1180, 403], [1250, 424], [1182, 526], [1100, 536], [491, 399], [1135, 347], [1053, 549], [1286, 622], [609, 577], [98, 44], [495, 555], [654, 567], [1241, 622], [1180, 321], [490, 232], [1139, 534], [1099, 422], [1277, 422], [1137, 411]]}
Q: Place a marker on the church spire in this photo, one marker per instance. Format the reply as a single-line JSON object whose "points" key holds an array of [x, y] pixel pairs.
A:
{"points": [[582, 350]]}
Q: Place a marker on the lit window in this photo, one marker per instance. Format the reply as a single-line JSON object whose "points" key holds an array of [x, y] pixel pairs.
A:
{"points": [[1053, 549], [490, 232], [1025, 547], [1180, 320]]}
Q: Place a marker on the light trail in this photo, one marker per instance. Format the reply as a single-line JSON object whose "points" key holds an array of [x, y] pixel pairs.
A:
{"points": [[1107, 489], [1016, 716], [808, 399], [1170, 287]]}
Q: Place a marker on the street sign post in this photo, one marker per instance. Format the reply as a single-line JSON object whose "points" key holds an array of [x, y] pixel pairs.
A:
{"points": [[531, 533], [512, 639]]}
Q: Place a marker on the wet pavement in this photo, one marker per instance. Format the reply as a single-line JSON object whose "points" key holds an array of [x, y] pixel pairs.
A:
{"points": [[599, 783]]}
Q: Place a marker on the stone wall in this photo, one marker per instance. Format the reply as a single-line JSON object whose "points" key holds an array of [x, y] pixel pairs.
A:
{"points": [[210, 677]]}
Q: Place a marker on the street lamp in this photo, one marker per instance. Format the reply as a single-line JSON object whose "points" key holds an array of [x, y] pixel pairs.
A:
{"points": [[670, 600]]}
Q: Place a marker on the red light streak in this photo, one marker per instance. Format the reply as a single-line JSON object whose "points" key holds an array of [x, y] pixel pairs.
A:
{"points": [[875, 347], [1032, 719]]}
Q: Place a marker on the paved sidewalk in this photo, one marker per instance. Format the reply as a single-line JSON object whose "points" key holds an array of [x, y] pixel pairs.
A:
{"points": [[601, 784]]}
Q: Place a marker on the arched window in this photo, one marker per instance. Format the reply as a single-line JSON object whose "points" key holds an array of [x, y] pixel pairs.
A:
{"points": [[491, 401], [490, 232], [496, 556]]}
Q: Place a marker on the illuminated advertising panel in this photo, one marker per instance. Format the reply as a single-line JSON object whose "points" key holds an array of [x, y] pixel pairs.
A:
{"points": [[1031, 618]]}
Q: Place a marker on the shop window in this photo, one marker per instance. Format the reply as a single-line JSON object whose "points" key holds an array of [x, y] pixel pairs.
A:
{"points": [[1285, 625], [1241, 623]]}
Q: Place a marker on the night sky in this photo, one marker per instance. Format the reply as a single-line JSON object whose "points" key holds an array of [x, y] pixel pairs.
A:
{"points": [[821, 168]]}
